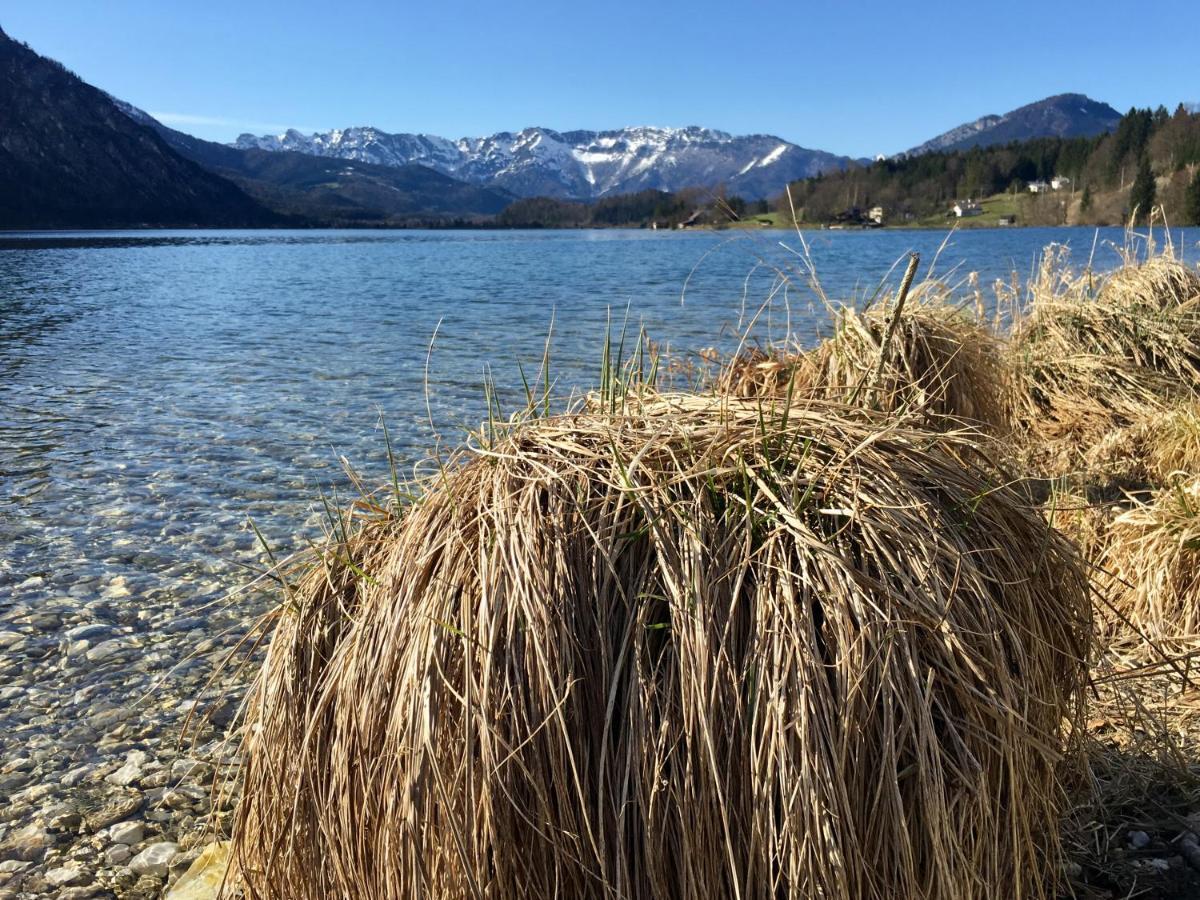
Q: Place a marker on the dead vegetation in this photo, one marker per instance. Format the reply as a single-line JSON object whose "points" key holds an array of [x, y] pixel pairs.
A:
{"points": [[686, 648], [806, 634]]}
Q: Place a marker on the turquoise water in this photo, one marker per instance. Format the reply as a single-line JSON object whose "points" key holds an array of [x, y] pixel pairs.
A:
{"points": [[159, 388]]}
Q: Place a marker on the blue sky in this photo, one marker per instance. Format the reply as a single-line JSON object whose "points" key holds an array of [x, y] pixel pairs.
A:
{"points": [[856, 78]]}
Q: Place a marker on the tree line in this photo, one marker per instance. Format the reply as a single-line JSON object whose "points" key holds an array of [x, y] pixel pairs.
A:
{"points": [[1152, 158]]}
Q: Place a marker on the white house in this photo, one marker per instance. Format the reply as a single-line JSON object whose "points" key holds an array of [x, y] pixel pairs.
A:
{"points": [[1038, 187], [1060, 182], [967, 208], [875, 214]]}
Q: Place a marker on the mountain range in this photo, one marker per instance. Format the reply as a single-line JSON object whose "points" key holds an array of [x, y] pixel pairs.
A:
{"points": [[73, 156], [577, 165]]}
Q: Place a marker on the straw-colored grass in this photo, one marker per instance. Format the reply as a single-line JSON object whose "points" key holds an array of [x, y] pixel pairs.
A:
{"points": [[939, 362], [1161, 282], [1152, 560], [1172, 445], [687, 648], [1083, 520], [1091, 361]]}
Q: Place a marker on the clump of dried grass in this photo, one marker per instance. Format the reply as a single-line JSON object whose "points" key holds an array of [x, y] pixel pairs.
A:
{"points": [[1094, 357], [1161, 281], [1152, 565], [1172, 444], [940, 361], [679, 648]]}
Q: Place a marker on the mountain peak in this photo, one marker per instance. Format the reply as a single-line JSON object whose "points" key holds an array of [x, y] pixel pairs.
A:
{"points": [[1061, 115]]}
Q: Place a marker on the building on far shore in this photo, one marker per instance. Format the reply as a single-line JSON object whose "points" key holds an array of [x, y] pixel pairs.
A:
{"points": [[875, 214], [1059, 182], [1038, 187], [1007, 220], [966, 208]]}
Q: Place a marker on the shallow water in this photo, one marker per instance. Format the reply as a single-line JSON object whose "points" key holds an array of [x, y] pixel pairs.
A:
{"points": [[159, 388]]}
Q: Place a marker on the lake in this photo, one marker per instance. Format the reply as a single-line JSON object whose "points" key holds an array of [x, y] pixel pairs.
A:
{"points": [[159, 389]]}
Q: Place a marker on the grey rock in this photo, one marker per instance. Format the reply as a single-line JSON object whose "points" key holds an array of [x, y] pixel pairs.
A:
{"points": [[117, 854], [105, 650]]}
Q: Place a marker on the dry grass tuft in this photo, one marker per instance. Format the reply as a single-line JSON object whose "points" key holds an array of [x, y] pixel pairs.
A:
{"points": [[1092, 361], [1161, 282], [1153, 562], [1172, 445], [940, 362], [683, 649]]}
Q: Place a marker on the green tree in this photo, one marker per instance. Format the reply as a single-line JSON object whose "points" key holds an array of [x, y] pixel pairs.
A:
{"points": [[1141, 195], [1191, 200], [1085, 202]]}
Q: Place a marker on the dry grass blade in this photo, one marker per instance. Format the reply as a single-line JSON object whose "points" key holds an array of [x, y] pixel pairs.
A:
{"points": [[691, 648]]}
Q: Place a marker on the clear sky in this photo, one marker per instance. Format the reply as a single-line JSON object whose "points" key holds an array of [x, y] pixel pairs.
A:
{"points": [[856, 78]]}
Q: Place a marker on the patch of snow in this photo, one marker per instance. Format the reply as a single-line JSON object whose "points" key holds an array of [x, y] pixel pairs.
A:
{"points": [[773, 155]]}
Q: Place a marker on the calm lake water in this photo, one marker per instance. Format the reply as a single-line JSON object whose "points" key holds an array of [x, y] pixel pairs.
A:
{"points": [[158, 388]]}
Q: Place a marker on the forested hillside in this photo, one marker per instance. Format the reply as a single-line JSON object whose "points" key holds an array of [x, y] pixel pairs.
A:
{"points": [[1151, 159]]}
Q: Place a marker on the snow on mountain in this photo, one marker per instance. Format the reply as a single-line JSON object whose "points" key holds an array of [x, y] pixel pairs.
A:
{"points": [[577, 164]]}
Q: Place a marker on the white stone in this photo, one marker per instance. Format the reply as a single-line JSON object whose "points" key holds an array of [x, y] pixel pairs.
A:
{"points": [[126, 832], [155, 859], [11, 638], [190, 770], [131, 771], [64, 876]]}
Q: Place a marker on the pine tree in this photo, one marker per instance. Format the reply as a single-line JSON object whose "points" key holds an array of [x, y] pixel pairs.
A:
{"points": [[1191, 200], [1085, 202], [1141, 195]]}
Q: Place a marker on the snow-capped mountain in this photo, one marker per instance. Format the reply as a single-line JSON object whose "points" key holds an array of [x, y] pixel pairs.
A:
{"points": [[578, 164]]}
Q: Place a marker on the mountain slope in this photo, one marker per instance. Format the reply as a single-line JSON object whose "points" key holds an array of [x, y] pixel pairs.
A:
{"points": [[1064, 115], [578, 165], [70, 159], [333, 190]]}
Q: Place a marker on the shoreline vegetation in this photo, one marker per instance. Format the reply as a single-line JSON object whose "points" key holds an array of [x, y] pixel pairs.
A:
{"points": [[685, 616]]}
